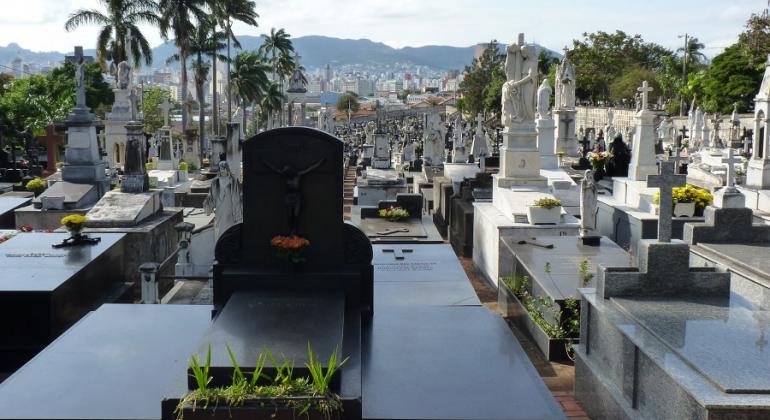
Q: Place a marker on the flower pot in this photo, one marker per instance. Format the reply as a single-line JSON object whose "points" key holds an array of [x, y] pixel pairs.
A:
{"points": [[544, 216], [684, 209]]}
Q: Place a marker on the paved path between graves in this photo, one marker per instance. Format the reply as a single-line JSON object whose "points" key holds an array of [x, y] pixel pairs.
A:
{"points": [[558, 377]]}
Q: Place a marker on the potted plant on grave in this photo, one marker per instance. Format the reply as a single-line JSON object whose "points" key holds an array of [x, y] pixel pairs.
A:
{"points": [[290, 248], [598, 162], [283, 394], [74, 223], [688, 200], [560, 158], [393, 213], [544, 211], [37, 186]]}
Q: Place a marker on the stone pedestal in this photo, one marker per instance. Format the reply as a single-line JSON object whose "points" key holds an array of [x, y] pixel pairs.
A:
{"points": [[83, 163], [115, 129], [381, 158], [566, 140], [546, 143], [643, 160], [758, 174], [166, 157], [520, 157]]}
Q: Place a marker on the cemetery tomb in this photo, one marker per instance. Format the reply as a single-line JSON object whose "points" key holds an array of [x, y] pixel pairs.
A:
{"points": [[555, 268], [43, 291], [8, 205]]}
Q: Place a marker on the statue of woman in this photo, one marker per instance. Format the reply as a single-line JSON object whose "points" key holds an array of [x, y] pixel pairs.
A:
{"points": [[543, 99], [588, 207], [225, 199]]}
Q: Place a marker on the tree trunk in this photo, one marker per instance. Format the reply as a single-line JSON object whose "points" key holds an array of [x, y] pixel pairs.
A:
{"points": [[214, 104], [183, 70], [201, 110]]}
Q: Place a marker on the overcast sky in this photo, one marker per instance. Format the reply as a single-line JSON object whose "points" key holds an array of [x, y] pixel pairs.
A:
{"points": [[39, 24]]}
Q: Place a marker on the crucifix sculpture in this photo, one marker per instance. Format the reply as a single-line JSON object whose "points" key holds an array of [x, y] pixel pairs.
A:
{"points": [[645, 91], [730, 161], [293, 178], [51, 140], [665, 182]]}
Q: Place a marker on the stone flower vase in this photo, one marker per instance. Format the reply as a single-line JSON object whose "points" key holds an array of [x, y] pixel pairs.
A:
{"points": [[684, 209], [544, 216]]}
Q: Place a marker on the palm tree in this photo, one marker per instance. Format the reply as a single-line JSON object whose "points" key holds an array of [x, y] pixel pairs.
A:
{"points": [[275, 44], [120, 36], [272, 101], [249, 78], [694, 51], [179, 17], [205, 43], [227, 12]]}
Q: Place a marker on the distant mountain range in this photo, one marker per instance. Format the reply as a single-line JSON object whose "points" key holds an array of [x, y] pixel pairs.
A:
{"points": [[316, 52]]}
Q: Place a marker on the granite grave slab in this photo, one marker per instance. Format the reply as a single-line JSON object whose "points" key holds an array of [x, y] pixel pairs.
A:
{"points": [[7, 207], [116, 363], [43, 290]]}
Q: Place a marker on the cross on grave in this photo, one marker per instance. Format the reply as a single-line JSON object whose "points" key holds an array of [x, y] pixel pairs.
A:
{"points": [[676, 159], [398, 253], [645, 90], [665, 182], [50, 141], [165, 106], [730, 161]]}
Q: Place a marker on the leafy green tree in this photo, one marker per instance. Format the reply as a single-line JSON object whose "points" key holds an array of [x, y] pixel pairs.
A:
{"points": [[731, 78], [272, 101], [152, 99], [119, 38], [99, 95], [275, 44], [602, 57], [625, 86], [756, 38], [5, 82], [348, 101], [482, 77], [545, 62]]}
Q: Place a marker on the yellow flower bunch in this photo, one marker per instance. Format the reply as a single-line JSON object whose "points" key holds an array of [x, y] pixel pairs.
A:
{"points": [[688, 194], [546, 202], [74, 221]]}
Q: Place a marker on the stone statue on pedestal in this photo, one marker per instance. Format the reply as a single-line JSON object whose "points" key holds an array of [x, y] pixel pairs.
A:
{"points": [[588, 207], [124, 75], [565, 85], [225, 199], [518, 96], [544, 100]]}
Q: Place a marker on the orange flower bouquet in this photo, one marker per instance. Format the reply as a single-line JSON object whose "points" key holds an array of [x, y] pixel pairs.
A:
{"points": [[290, 247]]}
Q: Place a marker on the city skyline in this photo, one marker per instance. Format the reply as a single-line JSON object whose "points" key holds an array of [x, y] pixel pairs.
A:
{"points": [[400, 23]]}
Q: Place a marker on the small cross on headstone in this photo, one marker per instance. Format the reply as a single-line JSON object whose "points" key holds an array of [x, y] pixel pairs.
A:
{"points": [[665, 182], [730, 161], [645, 91], [398, 253], [165, 106]]}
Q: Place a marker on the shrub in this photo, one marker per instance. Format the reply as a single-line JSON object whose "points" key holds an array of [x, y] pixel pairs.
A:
{"points": [[36, 186], [547, 203]]}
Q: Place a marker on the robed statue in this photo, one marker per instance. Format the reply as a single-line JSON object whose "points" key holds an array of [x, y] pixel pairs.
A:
{"points": [[518, 96]]}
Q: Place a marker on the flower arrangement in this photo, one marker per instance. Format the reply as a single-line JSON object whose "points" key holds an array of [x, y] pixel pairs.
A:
{"points": [[183, 166], [59, 165], [688, 194], [74, 222], [546, 203], [149, 166], [25, 229], [598, 159], [560, 153], [36, 186], [290, 247], [393, 213]]}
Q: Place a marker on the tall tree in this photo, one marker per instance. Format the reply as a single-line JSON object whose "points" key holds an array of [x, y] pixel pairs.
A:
{"points": [[179, 17], [272, 101], [483, 82], [694, 51], [119, 38], [227, 12], [275, 44], [731, 78], [249, 79], [756, 38], [152, 99]]}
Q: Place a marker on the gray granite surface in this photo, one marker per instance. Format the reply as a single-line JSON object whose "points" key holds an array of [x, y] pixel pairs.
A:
{"points": [[725, 340], [8, 204], [381, 228], [561, 279], [29, 263], [756, 256]]}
